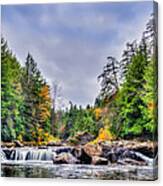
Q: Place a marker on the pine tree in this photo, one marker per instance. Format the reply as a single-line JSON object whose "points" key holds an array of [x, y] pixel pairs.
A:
{"points": [[11, 95], [44, 108], [128, 117], [127, 55], [32, 83], [149, 97]]}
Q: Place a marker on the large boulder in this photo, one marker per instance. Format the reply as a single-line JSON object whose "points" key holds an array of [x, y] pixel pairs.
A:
{"points": [[81, 138], [65, 158], [93, 149], [82, 155]]}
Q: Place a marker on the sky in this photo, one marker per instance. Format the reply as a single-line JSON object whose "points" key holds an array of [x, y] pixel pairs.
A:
{"points": [[70, 42]]}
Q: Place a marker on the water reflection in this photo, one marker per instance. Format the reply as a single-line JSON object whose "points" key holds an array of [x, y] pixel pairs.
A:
{"points": [[48, 170]]}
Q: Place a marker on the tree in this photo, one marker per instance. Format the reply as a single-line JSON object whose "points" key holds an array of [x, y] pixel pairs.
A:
{"points": [[127, 55], [149, 96], [133, 111], [55, 94], [11, 95], [129, 99], [44, 108], [36, 99], [109, 78]]}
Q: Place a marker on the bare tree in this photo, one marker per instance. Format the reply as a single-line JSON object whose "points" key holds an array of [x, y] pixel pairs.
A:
{"points": [[109, 78], [55, 91]]}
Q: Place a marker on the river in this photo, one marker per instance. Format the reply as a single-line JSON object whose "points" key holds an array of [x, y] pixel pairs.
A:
{"points": [[40, 165]]}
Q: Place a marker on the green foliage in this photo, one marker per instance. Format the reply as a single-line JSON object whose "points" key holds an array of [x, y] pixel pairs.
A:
{"points": [[25, 98], [125, 107], [11, 95], [150, 97], [130, 100], [77, 120], [36, 99], [133, 109]]}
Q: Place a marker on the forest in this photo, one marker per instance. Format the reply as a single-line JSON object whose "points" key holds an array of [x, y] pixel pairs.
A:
{"points": [[125, 108]]}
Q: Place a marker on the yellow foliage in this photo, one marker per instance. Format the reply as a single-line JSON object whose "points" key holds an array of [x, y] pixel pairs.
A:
{"points": [[33, 133], [45, 93], [151, 106], [40, 130], [104, 135], [20, 138], [42, 138], [45, 104], [98, 112], [46, 134]]}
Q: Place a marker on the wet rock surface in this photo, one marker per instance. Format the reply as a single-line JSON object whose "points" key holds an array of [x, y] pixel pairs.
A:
{"points": [[116, 152], [106, 160], [82, 155], [81, 138], [65, 158], [96, 160], [18, 143]]}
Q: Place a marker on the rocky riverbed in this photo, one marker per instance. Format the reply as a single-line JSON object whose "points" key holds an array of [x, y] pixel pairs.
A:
{"points": [[106, 160]]}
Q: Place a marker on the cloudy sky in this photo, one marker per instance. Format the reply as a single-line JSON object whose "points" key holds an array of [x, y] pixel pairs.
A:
{"points": [[70, 42]]}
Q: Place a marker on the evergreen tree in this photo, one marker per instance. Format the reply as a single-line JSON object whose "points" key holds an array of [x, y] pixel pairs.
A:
{"points": [[127, 55], [37, 100], [44, 108], [11, 95], [149, 97]]}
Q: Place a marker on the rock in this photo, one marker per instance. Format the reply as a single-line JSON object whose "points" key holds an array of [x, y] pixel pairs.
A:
{"points": [[18, 143], [52, 143], [82, 155], [127, 161], [7, 144], [112, 157], [96, 160], [67, 149], [123, 155], [93, 149], [132, 149], [84, 138], [42, 147], [7, 152], [65, 158], [81, 138]]}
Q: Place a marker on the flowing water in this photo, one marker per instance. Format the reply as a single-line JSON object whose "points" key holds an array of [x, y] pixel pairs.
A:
{"points": [[37, 163]]}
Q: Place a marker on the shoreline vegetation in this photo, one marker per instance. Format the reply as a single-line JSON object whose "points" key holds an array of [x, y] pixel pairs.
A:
{"points": [[120, 127]]}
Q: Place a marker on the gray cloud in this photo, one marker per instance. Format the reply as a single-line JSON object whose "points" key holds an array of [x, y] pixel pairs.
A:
{"points": [[71, 49]]}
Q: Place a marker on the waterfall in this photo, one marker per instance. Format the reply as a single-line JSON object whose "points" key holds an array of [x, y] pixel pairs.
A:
{"points": [[31, 154], [3, 156], [149, 161]]}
